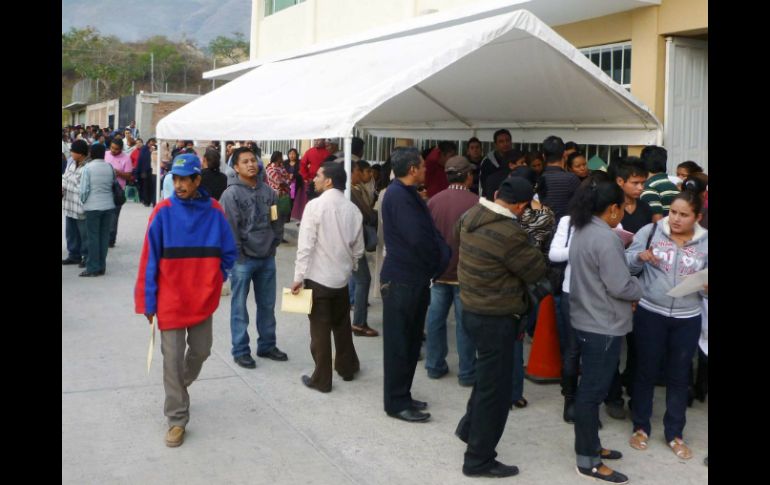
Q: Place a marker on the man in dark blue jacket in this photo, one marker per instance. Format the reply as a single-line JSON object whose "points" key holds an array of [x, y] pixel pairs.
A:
{"points": [[416, 253]]}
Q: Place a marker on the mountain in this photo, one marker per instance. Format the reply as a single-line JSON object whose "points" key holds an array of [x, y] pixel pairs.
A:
{"points": [[134, 20]]}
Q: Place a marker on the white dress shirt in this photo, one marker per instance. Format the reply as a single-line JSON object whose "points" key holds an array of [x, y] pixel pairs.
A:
{"points": [[331, 240]]}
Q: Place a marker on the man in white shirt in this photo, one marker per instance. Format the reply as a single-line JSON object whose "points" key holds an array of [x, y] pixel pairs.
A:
{"points": [[331, 242]]}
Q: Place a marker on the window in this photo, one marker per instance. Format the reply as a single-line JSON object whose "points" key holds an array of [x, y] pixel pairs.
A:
{"points": [[273, 6], [614, 60]]}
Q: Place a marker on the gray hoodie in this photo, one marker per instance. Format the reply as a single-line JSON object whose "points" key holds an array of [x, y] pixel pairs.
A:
{"points": [[248, 213], [602, 288], [675, 264]]}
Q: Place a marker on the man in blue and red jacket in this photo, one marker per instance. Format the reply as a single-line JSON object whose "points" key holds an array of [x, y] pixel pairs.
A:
{"points": [[187, 252]]}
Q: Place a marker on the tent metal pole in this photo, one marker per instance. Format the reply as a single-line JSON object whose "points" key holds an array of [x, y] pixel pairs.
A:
{"points": [[223, 153], [348, 147], [157, 178]]}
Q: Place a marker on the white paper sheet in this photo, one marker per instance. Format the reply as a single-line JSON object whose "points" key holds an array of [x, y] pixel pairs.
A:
{"points": [[690, 284]]}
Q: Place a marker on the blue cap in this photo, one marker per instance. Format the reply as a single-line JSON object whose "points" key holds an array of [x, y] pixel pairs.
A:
{"points": [[185, 165]]}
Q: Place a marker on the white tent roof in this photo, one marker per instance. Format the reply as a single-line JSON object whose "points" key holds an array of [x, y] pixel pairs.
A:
{"points": [[446, 76]]}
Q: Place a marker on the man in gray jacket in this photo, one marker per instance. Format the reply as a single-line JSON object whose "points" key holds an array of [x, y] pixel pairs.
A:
{"points": [[257, 231]]}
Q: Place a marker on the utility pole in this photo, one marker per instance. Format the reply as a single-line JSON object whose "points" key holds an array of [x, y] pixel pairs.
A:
{"points": [[214, 81], [152, 71]]}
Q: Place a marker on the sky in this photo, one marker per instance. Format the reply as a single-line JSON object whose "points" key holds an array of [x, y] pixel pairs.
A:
{"points": [[199, 20]]}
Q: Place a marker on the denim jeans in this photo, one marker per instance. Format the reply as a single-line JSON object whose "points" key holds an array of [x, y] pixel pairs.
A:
{"points": [[562, 322], [599, 355], [570, 358], [114, 227], [658, 338], [487, 411], [98, 224], [77, 238], [362, 280], [532, 320], [518, 370], [260, 272], [403, 321], [442, 296]]}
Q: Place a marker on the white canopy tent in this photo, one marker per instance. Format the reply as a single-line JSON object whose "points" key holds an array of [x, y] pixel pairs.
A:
{"points": [[448, 75]]}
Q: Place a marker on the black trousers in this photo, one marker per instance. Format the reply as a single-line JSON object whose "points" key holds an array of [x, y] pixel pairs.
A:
{"points": [[403, 321], [490, 401], [330, 316]]}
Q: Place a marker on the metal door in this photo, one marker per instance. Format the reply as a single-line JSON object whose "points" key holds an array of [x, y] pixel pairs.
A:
{"points": [[685, 133]]}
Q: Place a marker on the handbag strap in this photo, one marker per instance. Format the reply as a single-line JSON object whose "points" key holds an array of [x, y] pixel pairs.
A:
{"points": [[569, 231], [652, 233]]}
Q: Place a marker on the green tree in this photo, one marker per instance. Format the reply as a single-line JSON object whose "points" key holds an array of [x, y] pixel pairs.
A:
{"points": [[235, 49]]}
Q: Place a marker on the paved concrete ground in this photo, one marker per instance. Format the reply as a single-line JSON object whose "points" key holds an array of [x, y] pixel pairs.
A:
{"points": [[264, 426]]}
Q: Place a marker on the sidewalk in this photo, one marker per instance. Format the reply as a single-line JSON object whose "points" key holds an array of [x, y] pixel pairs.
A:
{"points": [[264, 426]]}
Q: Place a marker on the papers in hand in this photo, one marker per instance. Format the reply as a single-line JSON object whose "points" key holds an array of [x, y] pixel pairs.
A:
{"points": [[624, 236], [152, 344], [300, 303], [690, 284]]}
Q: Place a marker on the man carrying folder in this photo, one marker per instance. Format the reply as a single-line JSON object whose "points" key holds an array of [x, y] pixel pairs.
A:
{"points": [[330, 245], [188, 249]]}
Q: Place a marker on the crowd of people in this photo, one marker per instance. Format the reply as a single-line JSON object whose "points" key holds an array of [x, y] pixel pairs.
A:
{"points": [[478, 232]]}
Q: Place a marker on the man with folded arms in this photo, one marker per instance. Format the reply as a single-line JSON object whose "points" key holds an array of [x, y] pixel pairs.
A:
{"points": [[497, 261]]}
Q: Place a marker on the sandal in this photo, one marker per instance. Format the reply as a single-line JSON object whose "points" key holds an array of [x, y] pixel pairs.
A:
{"points": [[520, 403], [681, 450], [639, 440]]}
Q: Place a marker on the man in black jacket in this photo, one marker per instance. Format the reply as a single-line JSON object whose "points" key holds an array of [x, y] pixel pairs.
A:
{"points": [[416, 253]]}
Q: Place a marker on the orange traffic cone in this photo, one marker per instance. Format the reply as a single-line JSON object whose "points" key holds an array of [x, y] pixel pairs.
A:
{"points": [[544, 364]]}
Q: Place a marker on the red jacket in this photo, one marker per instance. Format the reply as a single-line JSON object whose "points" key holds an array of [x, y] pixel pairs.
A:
{"points": [[435, 177], [311, 162]]}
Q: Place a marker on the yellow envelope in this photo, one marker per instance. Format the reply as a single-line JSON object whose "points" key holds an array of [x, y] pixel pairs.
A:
{"points": [[300, 303], [273, 213]]}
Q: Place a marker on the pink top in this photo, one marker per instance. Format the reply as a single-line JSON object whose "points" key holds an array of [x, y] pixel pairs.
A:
{"points": [[121, 162]]}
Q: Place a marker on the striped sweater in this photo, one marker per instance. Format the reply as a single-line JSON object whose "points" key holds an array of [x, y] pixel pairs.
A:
{"points": [[659, 191], [188, 248]]}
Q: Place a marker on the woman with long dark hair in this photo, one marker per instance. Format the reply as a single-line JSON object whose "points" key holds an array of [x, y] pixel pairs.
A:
{"points": [[666, 329], [291, 164], [602, 296]]}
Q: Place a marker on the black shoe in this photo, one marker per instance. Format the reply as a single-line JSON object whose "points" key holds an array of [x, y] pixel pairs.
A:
{"points": [[419, 405], [614, 477], [87, 274], [274, 354], [519, 403], [112, 244], [498, 470], [606, 454], [347, 379], [706, 461], [569, 410], [245, 361], [465, 383], [82, 264], [306, 382], [411, 416], [100, 273], [615, 410], [67, 261]]}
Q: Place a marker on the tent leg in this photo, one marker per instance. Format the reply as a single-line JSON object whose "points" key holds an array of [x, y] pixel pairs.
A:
{"points": [[348, 147], [157, 177]]}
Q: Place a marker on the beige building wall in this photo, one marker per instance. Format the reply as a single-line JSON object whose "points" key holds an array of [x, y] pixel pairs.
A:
{"points": [[647, 29], [98, 114], [323, 20]]}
